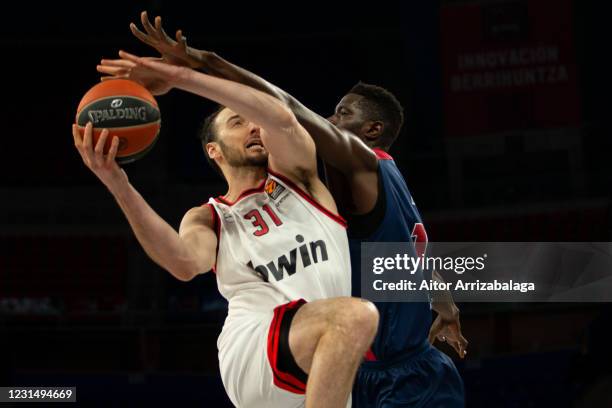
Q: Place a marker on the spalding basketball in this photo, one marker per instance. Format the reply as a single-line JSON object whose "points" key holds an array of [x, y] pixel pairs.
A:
{"points": [[127, 110]]}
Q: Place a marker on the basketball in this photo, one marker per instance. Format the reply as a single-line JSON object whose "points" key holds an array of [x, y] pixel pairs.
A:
{"points": [[127, 110]]}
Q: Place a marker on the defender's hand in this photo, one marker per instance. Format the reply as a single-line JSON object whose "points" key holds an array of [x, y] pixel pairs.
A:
{"points": [[174, 52], [449, 331], [103, 166]]}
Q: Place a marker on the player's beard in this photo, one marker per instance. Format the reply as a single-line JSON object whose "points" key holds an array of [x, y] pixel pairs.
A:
{"points": [[235, 158]]}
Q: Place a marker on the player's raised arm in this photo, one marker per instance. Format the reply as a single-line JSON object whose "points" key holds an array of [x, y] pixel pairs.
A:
{"points": [[290, 147], [337, 147], [185, 255]]}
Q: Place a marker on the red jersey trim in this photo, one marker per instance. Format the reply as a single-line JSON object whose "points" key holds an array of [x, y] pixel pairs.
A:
{"points": [[382, 155], [370, 356], [217, 227], [311, 200], [245, 193], [282, 380]]}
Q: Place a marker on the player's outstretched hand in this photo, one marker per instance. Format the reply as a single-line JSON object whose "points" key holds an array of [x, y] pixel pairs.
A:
{"points": [[448, 330], [126, 69], [173, 51], [102, 165], [172, 75]]}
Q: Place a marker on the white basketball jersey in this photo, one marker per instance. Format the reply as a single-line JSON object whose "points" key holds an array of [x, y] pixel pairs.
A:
{"points": [[275, 245]]}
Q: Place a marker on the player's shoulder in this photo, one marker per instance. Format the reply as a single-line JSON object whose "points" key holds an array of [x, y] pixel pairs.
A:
{"points": [[203, 215], [381, 154]]}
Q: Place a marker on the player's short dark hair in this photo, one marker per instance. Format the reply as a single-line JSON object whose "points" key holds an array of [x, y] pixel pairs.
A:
{"points": [[381, 105], [208, 133]]}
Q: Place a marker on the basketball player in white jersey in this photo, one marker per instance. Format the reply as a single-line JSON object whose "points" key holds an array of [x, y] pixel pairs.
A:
{"points": [[274, 241]]}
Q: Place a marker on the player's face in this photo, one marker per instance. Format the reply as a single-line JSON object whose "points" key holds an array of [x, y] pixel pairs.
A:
{"points": [[348, 115], [240, 140]]}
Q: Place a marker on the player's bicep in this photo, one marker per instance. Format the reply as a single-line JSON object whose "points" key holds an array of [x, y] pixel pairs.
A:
{"points": [[292, 152], [198, 233]]}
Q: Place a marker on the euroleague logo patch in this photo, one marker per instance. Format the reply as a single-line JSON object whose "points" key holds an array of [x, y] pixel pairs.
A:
{"points": [[273, 189]]}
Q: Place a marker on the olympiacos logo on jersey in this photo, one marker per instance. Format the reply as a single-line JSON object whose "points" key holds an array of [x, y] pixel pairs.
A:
{"points": [[311, 253]]}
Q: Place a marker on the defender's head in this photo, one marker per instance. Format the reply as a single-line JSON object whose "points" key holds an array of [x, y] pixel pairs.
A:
{"points": [[229, 140], [372, 113]]}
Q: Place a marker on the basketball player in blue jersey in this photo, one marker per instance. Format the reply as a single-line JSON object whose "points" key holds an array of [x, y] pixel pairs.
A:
{"points": [[402, 369]]}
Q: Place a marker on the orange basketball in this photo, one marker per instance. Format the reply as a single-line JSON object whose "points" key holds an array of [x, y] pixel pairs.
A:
{"points": [[127, 110]]}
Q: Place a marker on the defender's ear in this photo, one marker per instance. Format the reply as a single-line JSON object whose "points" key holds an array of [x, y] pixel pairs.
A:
{"points": [[372, 129]]}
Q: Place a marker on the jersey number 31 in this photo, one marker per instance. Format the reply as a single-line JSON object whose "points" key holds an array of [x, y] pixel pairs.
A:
{"points": [[258, 221]]}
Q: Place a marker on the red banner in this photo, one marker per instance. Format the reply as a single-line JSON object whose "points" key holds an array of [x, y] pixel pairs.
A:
{"points": [[508, 65]]}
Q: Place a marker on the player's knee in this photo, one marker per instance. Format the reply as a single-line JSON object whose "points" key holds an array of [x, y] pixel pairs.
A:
{"points": [[362, 319]]}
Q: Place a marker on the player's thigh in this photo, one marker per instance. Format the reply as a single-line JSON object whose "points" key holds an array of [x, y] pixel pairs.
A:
{"points": [[314, 319]]}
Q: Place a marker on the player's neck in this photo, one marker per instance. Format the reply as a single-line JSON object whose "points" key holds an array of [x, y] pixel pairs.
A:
{"points": [[240, 179]]}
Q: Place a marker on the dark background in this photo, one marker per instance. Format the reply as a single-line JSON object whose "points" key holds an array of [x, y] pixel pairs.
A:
{"points": [[81, 304]]}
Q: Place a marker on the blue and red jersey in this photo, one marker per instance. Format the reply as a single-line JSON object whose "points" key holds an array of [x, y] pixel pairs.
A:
{"points": [[404, 326]]}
